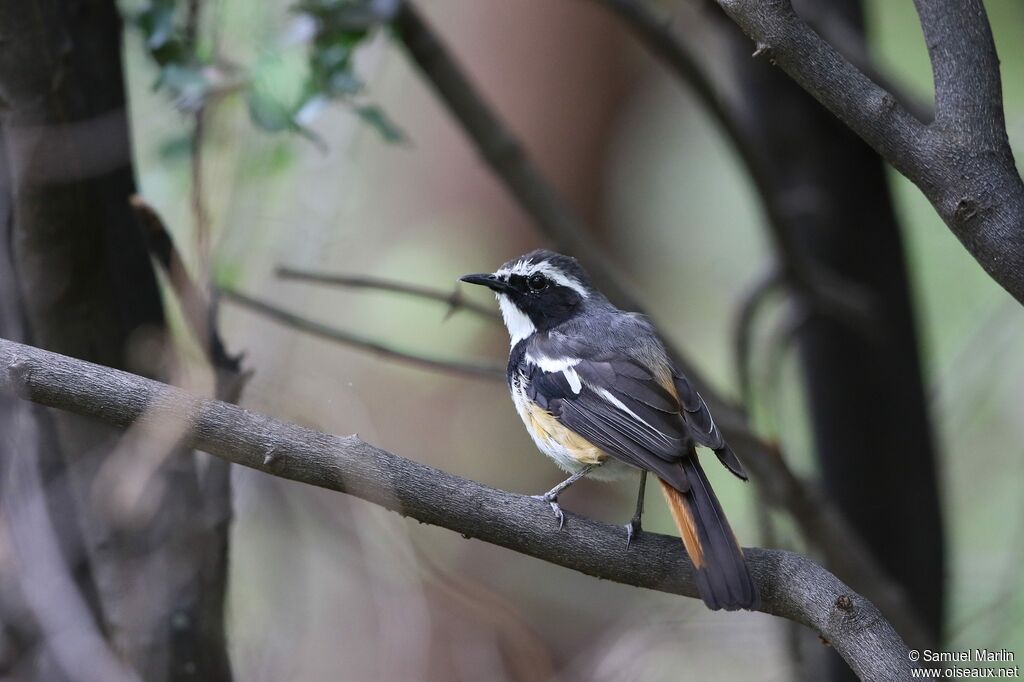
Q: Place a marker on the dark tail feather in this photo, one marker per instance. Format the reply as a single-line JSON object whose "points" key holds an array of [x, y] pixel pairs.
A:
{"points": [[723, 579]]}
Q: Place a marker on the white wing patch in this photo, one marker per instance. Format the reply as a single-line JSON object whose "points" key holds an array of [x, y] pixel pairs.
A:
{"points": [[574, 380], [563, 365], [552, 364]]}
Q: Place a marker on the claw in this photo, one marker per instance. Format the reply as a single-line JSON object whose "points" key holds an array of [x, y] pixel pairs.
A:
{"points": [[633, 529], [558, 514], [557, 510]]}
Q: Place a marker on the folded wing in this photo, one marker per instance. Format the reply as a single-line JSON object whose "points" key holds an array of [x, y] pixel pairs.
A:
{"points": [[618, 406], [702, 425]]}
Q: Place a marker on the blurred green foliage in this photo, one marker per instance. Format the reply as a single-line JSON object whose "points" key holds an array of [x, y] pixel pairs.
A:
{"points": [[334, 30]]}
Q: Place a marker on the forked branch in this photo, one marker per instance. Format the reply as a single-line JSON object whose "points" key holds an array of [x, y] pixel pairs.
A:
{"points": [[962, 160]]}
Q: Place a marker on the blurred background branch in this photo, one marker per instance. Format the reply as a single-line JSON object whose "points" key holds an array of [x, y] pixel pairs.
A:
{"points": [[455, 299], [282, 316], [201, 314]]}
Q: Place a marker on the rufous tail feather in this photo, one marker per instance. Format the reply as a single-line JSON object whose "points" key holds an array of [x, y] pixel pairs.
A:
{"points": [[723, 578]]}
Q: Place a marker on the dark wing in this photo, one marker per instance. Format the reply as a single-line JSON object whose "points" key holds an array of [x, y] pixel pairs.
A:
{"points": [[702, 425], [616, 404]]}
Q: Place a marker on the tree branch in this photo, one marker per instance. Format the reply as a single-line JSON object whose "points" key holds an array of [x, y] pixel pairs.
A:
{"points": [[788, 42], [968, 92], [455, 300], [196, 306], [852, 46], [349, 339], [962, 161], [743, 331], [791, 586], [820, 522]]}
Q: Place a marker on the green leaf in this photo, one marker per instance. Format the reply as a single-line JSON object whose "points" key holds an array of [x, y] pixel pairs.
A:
{"points": [[344, 84], [188, 84], [175, 148], [227, 273], [269, 113], [376, 118], [158, 22]]}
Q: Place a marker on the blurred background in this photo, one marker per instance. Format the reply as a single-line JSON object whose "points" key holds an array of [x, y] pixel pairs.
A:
{"points": [[326, 587]]}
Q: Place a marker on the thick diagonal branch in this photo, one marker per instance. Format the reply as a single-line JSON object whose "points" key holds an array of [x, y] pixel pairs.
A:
{"points": [[791, 586]]}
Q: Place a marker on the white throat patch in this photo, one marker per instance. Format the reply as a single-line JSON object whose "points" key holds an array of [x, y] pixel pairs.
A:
{"points": [[516, 321]]}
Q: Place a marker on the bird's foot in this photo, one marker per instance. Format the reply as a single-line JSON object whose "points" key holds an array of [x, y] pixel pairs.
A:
{"points": [[553, 501], [633, 530]]}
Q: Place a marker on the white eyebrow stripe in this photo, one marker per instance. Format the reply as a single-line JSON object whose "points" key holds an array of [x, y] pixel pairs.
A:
{"points": [[604, 393], [561, 278], [527, 268]]}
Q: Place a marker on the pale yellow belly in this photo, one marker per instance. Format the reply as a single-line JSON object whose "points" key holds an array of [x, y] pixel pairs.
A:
{"points": [[569, 450]]}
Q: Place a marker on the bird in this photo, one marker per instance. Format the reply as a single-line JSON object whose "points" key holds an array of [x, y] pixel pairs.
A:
{"points": [[599, 395]]}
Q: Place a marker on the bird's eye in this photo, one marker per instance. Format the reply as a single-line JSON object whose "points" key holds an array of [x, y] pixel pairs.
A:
{"points": [[537, 282]]}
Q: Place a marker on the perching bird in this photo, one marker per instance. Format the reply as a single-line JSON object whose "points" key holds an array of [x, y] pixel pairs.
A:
{"points": [[599, 395]]}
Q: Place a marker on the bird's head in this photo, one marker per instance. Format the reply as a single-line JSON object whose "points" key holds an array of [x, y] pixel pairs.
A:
{"points": [[537, 291]]}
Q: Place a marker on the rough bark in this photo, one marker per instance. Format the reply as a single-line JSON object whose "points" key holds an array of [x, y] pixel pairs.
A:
{"points": [[85, 287], [791, 586]]}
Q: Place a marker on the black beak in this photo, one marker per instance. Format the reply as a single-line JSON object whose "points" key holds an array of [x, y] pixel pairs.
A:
{"points": [[487, 280]]}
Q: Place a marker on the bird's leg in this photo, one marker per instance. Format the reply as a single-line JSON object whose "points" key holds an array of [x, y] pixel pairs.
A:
{"points": [[633, 527], [551, 496]]}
